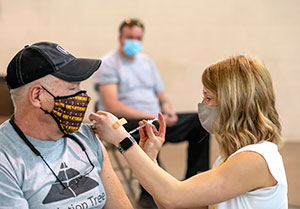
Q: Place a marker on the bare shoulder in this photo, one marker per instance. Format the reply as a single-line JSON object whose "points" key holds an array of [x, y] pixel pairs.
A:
{"points": [[251, 169]]}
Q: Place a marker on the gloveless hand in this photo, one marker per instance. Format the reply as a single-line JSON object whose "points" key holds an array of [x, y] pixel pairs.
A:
{"points": [[103, 127], [152, 140]]}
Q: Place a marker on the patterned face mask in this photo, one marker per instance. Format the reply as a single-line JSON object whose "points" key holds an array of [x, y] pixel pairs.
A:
{"points": [[69, 111]]}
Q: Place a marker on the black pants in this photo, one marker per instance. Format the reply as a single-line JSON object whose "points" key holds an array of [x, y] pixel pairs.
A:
{"points": [[187, 128]]}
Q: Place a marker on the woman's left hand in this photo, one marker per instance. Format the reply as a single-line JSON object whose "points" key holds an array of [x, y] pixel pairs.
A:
{"points": [[152, 140]]}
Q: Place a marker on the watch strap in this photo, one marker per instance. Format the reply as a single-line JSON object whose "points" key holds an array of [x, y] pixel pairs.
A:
{"points": [[126, 143]]}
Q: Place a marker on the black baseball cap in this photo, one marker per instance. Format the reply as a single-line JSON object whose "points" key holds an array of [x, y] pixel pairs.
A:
{"points": [[44, 58]]}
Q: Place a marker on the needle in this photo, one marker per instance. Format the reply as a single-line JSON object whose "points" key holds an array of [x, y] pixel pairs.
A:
{"points": [[141, 126]]}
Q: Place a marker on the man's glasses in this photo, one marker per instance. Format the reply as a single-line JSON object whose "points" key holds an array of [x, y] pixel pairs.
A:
{"points": [[131, 22], [71, 184], [74, 183]]}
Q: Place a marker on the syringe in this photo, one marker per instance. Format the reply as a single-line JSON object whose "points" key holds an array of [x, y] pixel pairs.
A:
{"points": [[141, 126]]}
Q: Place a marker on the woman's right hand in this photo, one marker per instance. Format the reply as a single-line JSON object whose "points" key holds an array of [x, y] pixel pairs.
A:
{"points": [[152, 140]]}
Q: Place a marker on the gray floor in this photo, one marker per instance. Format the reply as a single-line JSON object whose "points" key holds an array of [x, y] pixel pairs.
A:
{"points": [[173, 158], [291, 156]]}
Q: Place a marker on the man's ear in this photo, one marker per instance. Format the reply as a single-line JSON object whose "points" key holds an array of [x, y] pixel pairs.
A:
{"points": [[35, 95]]}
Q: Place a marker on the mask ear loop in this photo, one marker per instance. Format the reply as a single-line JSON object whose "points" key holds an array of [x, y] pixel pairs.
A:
{"points": [[48, 91], [50, 113], [60, 97], [56, 120]]}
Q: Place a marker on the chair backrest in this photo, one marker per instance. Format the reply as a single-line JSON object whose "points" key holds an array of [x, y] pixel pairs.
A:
{"points": [[6, 105]]}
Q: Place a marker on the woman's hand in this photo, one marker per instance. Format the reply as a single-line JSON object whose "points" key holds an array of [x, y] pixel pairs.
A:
{"points": [[103, 127], [152, 140]]}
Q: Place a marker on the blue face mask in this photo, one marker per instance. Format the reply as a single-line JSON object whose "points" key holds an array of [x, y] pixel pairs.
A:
{"points": [[132, 47]]}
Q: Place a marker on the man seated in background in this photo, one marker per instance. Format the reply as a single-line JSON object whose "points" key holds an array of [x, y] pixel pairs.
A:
{"points": [[129, 86]]}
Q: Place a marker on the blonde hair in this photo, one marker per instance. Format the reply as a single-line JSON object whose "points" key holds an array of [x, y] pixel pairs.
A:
{"points": [[247, 103]]}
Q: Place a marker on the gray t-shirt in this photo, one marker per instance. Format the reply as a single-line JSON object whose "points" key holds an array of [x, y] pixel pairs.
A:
{"points": [[26, 181], [138, 81]]}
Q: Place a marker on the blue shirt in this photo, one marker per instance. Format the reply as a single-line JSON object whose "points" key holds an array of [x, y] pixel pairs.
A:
{"points": [[26, 181], [138, 81]]}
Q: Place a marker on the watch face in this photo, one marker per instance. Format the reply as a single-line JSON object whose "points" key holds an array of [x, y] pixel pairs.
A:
{"points": [[126, 143]]}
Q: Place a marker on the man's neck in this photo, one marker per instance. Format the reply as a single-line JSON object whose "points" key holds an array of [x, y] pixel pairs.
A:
{"points": [[38, 127]]}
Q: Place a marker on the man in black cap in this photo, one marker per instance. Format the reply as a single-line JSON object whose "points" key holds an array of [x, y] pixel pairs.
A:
{"points": [[48, 158]]}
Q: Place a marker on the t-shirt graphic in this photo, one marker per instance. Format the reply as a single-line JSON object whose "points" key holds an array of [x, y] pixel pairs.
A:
{"points": [[72, 179]]}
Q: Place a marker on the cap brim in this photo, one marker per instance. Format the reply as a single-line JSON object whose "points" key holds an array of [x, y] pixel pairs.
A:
{"points": [[79, 69]]}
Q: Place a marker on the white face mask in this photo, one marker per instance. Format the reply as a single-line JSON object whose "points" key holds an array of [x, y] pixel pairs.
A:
{"points": [[207, 116]]}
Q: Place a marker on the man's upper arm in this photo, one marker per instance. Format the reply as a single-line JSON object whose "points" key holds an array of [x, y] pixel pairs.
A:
{"points": [[11, 195], [107, 74], [109, 95], [116, 196]]}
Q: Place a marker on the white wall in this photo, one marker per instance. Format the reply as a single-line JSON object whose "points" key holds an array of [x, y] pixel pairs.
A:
{"points": [[181, 36]]}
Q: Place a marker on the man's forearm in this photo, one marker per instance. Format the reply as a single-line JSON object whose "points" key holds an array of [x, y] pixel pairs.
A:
{"points": [[121, 110]]}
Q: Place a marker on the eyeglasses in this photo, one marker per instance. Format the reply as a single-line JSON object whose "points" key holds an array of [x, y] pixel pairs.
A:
{"points": [[71, 184], [131, 22]]}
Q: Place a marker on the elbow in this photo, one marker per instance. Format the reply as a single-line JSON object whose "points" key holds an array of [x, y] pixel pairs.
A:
{"points": [[168, 201], [165, 204]]}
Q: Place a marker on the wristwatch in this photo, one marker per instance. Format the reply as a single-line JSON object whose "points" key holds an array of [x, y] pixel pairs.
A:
{"points": [[126, 143]]}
